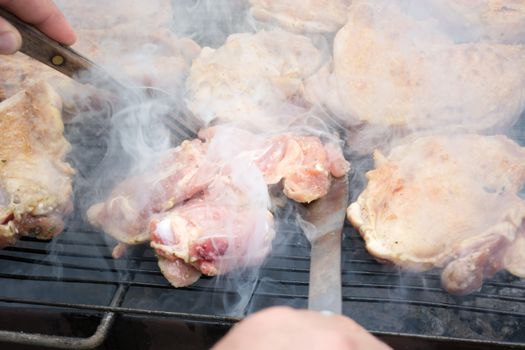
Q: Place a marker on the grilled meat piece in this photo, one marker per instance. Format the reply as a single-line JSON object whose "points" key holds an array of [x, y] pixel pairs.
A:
{"points": [[500, 21], [35, 181], [450, 202], [205, 201], [224, 228], [398, 73], [93, 14], [303, 163], [139, 34], [126, 213], [157, 59], [221, 230], [254, 80], [177, 272], [314, 16]]}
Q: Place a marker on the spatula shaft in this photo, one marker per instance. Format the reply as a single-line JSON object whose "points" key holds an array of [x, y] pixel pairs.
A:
{"points": [[325, 274]]}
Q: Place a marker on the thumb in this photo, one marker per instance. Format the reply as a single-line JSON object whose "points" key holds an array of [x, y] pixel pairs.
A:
{"points": [[10, 39]]}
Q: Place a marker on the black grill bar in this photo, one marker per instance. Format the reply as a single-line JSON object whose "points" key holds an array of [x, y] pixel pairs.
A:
{"points": [[347, 283], [126, 284], [113, 308], [281, 281], [131, 311], [347, 271]]}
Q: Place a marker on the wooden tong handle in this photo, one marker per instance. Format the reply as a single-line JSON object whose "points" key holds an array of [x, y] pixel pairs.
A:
{"points": [[46, 50]]}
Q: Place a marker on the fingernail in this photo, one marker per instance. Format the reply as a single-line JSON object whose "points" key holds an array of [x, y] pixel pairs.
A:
{"points": [[8, 43]]}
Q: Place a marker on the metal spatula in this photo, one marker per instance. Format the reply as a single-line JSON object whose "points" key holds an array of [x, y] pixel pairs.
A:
{"points": [[326, 216], [37, 45]]}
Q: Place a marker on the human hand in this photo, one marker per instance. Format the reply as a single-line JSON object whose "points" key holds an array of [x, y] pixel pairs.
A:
{"points": [[43, 14], [283, 328]]}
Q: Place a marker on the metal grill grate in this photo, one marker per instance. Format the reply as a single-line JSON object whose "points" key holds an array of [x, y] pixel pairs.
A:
{"points": [[75, 273]]}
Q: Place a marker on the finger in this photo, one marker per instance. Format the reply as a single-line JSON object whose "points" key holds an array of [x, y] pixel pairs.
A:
{"points": [[10, 39], [44, 15]]}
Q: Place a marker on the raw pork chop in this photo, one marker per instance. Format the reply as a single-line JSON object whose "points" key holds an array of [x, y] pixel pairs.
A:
{"points": [[393, 71], [449, 202], [35, 180], [255, 80], [300, 16]]}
